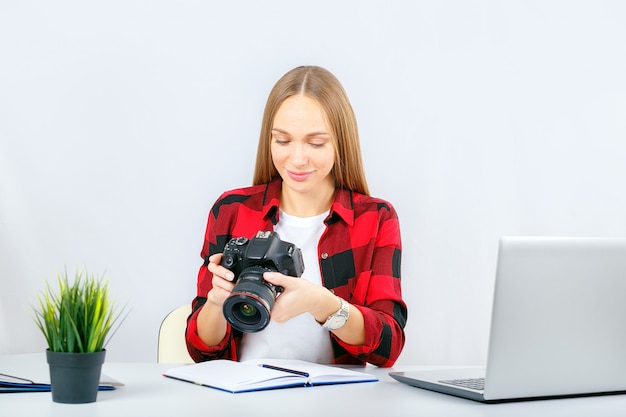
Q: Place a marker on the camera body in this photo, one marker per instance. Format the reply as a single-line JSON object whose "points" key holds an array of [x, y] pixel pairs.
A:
{"points": [[250, 303]]}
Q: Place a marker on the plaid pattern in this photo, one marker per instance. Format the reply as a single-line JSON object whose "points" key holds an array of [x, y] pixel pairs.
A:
{"points": [[359, 258]]}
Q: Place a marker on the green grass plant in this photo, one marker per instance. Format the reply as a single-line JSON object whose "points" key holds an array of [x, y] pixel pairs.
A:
{"points": [[79, 316]]}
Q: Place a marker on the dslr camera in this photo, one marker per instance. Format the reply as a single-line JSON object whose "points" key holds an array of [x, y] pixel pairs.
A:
{"points": [[250, 303]]}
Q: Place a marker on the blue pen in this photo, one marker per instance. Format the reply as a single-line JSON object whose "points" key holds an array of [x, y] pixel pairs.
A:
{"points": [[291, 371]]}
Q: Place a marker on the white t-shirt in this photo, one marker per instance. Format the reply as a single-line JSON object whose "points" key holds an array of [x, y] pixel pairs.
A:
{"points": [[301, 337]]}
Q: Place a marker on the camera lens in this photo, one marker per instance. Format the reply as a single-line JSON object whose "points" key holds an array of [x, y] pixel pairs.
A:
{"points": [[246, 313], [249, 305], [247, 310]]}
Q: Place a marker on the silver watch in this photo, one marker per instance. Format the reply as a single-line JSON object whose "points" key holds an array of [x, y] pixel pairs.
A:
{"points": [[337, 320]]}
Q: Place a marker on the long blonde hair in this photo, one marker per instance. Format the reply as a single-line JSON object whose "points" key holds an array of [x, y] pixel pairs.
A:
{"points": [[323, 87]]}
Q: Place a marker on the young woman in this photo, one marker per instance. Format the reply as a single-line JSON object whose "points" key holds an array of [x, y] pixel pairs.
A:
{"points": [[309, 186]]}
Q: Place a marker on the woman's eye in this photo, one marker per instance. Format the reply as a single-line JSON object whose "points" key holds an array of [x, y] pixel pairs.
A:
{"points": [[281, 141]]}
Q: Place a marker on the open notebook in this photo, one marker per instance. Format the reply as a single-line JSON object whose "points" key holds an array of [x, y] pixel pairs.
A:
{"points": [[557, 326], [264, 374]]}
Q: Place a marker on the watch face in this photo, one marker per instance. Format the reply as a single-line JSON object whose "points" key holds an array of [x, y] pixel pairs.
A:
{"points": [[339, 318], [337, 321]]}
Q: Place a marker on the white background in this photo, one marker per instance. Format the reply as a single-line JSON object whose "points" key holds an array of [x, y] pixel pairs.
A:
{"points": [[122, 121]]}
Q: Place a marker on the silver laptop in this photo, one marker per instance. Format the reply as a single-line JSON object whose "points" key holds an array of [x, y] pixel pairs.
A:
{"points": [[558, 326]]}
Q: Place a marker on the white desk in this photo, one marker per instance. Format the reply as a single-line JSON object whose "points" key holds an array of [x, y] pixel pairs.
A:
{"points": [[148, 393]]}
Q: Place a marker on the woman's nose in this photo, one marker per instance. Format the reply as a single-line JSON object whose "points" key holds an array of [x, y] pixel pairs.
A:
{"points": [[299, 156]]}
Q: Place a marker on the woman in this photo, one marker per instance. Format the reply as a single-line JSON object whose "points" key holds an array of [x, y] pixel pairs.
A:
{"points": [[309, 186]]}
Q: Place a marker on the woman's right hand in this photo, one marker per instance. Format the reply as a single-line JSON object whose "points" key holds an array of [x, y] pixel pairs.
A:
{"points": [[211, 321], [222, 281]]}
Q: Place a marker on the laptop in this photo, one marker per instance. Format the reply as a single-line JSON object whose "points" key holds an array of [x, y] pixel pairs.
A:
{"points": [[558, 325]]}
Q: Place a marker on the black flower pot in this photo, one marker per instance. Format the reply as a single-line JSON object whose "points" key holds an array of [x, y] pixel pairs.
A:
{"points": [[75, 377]]}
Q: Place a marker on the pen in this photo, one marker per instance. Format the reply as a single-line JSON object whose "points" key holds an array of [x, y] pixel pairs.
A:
{"points": [[291, 371]]}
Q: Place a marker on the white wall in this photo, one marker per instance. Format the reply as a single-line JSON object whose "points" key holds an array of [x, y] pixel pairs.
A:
{"points": [[122, 121]]}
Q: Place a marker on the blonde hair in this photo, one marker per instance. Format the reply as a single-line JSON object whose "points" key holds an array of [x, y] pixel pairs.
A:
{"points": [[323, 87]]}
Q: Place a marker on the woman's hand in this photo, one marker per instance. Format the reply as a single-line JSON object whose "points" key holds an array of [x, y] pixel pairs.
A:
{"points": [[211, 321], [222, 281], [300, 296]]}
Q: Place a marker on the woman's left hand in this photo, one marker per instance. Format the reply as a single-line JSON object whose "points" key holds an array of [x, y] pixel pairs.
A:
{"points": [[300, 296]]}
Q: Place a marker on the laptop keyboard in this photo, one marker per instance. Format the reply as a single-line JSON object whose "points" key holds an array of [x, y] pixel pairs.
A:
{"points": [[477, 384]]}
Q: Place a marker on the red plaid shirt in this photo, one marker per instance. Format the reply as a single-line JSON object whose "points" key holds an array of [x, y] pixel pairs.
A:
{"points": [[359, 258]]}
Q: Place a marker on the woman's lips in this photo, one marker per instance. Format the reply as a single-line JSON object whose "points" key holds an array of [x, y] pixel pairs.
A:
{"points": [[299, 176]]}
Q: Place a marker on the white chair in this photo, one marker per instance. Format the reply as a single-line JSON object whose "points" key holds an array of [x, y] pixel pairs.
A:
{"points": [[172, 347]]}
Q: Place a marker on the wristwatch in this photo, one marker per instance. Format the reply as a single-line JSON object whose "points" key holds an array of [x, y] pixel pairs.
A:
{"points": [[337, 320]]}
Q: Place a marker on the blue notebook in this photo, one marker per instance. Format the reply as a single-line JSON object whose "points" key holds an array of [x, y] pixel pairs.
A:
{"points": [[11, 383], [265, 374]]}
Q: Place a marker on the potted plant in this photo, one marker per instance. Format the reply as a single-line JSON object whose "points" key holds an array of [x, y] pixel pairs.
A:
{"points": [[77, 321]]}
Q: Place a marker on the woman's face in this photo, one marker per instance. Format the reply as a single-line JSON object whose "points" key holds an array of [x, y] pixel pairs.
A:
{"points": [[302, 150]]}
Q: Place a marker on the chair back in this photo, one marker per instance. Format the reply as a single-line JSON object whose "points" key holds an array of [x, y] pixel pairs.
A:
{"points": [[172, 347]]}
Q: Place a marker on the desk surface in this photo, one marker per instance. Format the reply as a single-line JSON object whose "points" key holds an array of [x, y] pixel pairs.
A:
{"points": [[147, 392]]}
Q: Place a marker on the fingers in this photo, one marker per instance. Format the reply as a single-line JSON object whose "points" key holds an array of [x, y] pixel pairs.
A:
{"points": [[217, 269], [298, 296], [222, 280], [274, 278], [221, 290]]}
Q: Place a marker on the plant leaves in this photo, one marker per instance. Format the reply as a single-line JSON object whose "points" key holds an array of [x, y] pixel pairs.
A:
{"points": [[79, 316]]}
